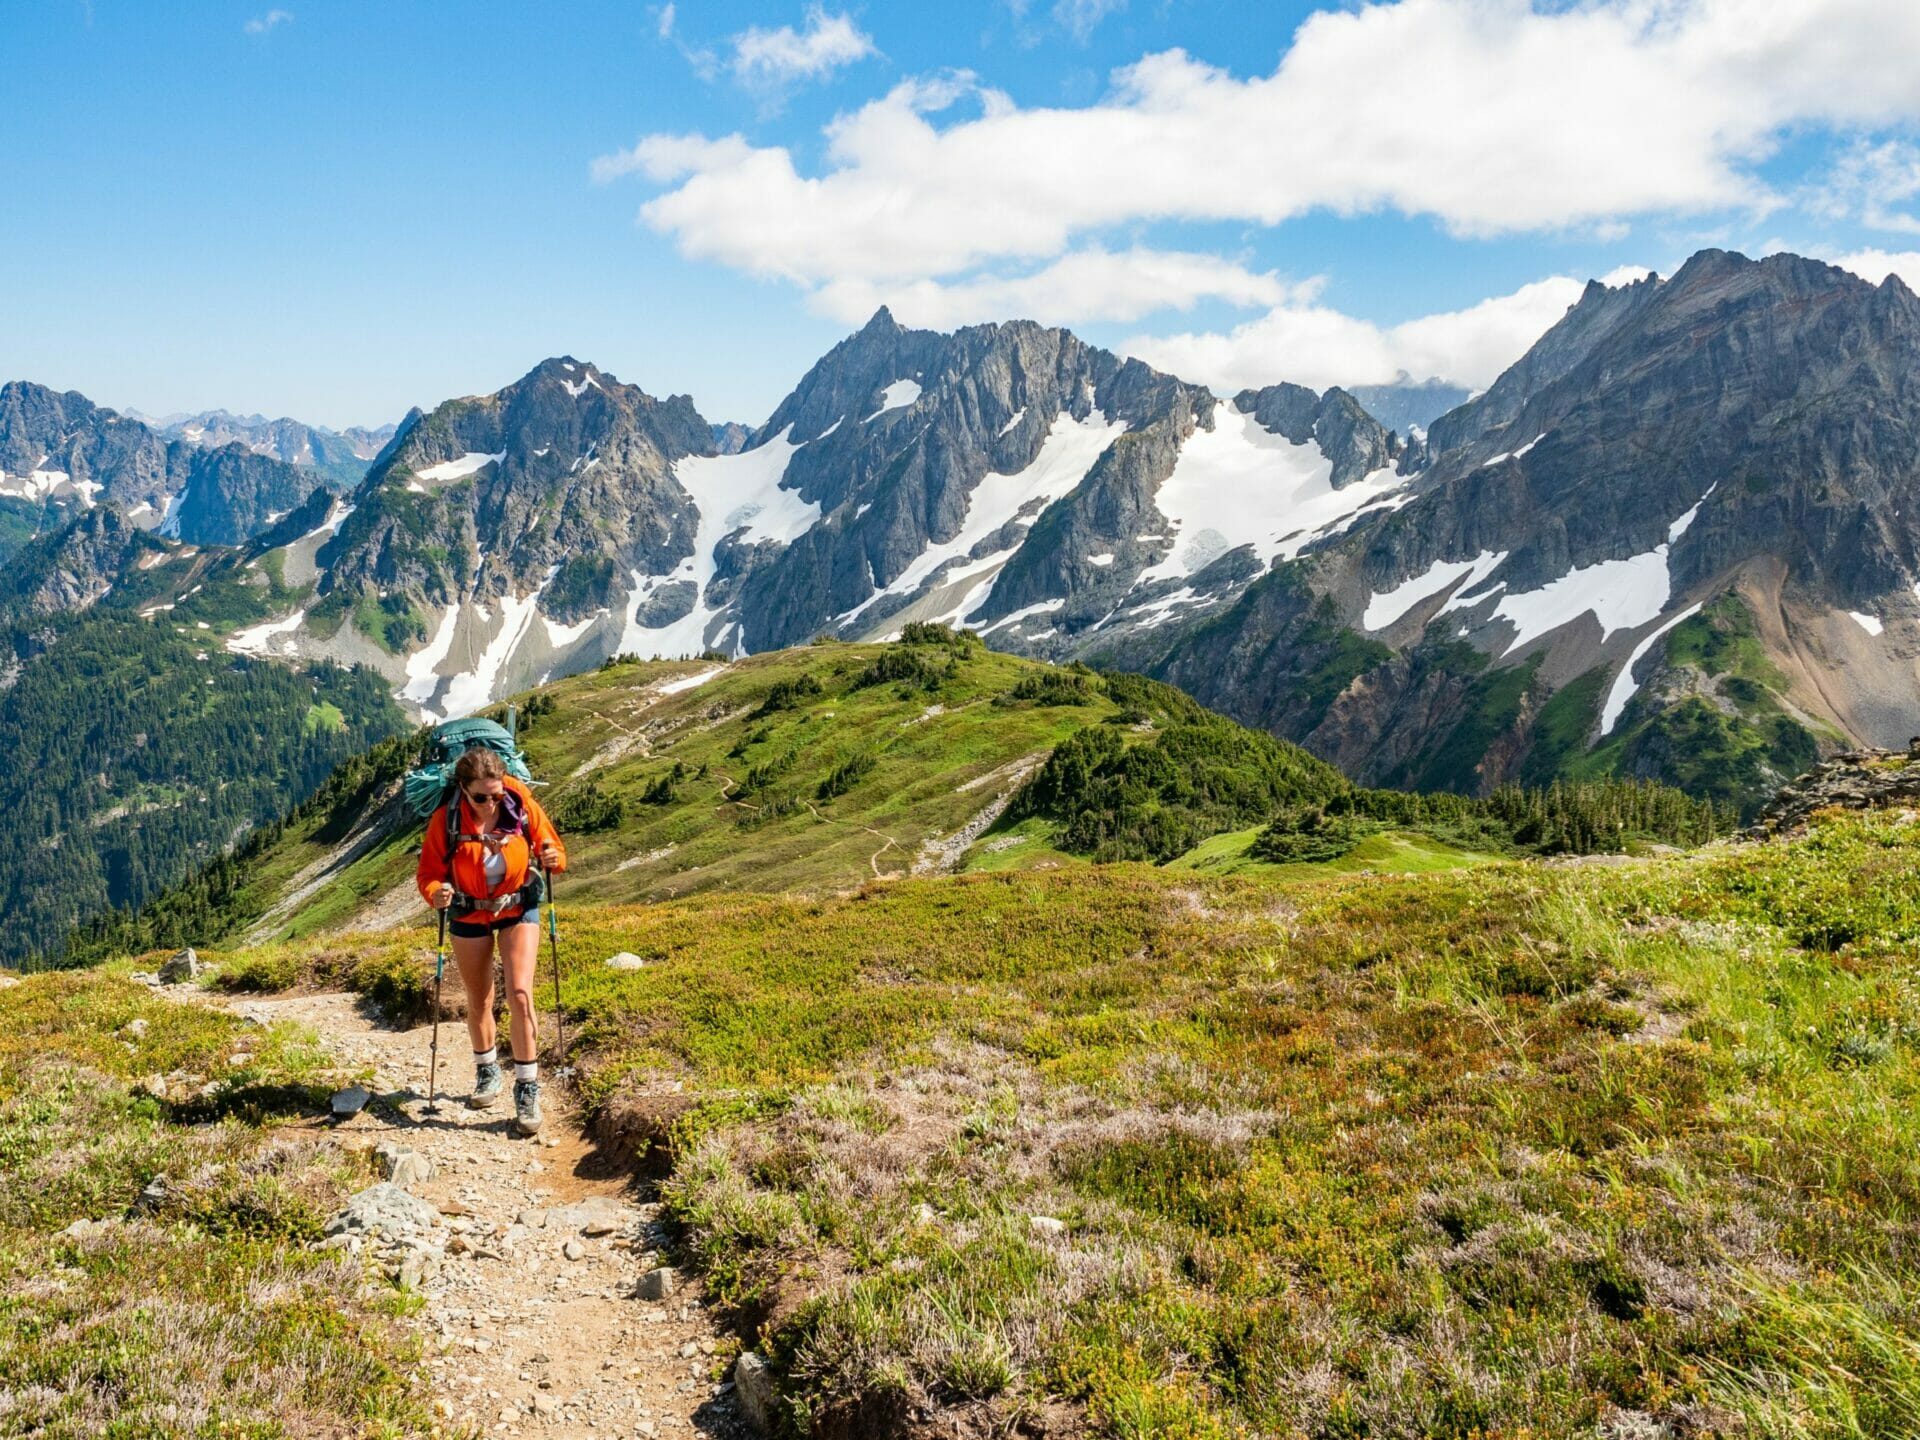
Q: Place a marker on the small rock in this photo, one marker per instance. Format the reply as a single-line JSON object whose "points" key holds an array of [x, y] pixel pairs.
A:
{"points": [[574, 1250], [753, 1389], [183, 965], [659, 1283], [384, 1207], [532, 1219], [596, 1215], [137, 1027], [625, 960], [508, 1414], [150, 1198], [545, 1406], [1046, 1225], [402, 1164], [154, 1085], [239, 1058], [689, 1350], [7, 982], [350, 1101], [79, 1229]]}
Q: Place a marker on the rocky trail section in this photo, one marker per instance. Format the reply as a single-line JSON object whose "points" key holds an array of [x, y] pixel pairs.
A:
{"points": [[549, 1307]]}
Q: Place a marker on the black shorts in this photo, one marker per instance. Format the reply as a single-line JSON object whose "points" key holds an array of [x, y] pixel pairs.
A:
{"points": [[480, 929]]}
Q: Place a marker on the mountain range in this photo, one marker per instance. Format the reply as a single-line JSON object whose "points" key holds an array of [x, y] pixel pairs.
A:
{"points": [[1673, 540]]}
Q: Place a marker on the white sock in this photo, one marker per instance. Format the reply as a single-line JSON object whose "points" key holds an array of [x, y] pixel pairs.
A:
{"points": [[526, 1070], [489, 1056]]}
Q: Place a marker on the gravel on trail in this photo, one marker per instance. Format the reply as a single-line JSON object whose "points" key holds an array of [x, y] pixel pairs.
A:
{"points": [[532, 1269]]}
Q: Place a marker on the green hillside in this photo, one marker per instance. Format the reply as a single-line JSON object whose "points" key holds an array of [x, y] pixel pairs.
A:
{"points": [[823, 768]]}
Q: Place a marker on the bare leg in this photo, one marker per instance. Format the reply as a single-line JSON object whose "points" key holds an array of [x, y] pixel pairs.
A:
{"points": [[519, 954], [475, 959]]}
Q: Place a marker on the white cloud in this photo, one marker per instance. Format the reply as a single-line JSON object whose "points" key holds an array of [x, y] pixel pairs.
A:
{"points": [[1314, 344], [1876, 265], [1080, 18], [1087, 285], [779, 57], [1868, 183], [1487, 115], [664, 22], [261, 24]]}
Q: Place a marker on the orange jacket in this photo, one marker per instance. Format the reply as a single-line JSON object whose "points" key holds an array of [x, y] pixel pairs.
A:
{"points": [[470, 857]]}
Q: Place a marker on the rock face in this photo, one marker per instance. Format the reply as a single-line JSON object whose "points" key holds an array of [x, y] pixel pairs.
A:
{"points": [[1662, 532], [1853, 780], [60, 455], [1677, 539]]}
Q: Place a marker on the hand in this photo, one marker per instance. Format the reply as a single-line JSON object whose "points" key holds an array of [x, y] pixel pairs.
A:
{"points": [[441, 896], [549, 854]]}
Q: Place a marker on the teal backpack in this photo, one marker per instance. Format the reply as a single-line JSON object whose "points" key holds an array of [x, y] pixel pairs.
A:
{"points": [[427, 786]]}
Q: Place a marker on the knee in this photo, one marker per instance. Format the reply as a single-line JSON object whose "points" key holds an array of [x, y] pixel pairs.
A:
{"points": [[521, 998]]}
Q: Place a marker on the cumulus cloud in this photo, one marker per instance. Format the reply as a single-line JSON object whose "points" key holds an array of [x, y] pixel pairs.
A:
{"points": [[261, 24], [771, 58], [1876, 265], [1086, 286], [1487, 115], [1314, 344]]}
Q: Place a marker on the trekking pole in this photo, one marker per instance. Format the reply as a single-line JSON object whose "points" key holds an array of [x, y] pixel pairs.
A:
{"points": [[553, 934], [439, 968]]}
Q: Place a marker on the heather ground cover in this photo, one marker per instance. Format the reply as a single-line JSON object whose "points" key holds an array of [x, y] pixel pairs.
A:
{"points": [[196, 1309], [1530, 1148]]}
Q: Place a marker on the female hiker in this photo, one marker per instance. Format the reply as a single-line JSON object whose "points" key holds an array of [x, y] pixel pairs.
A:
{"points": [[484, 870]]}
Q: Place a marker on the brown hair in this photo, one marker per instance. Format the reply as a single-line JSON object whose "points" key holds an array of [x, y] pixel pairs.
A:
{"points": [[479, 763]]}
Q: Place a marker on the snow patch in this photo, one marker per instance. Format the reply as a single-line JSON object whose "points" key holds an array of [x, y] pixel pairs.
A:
{"points": [[1622, 594], [257, 639], [900, 393], [739, 493], [468, 463], [471, 689], [1241, 484], [1101, 560], [558, 635], [1018, 416], [576, 391], [830, 429], [1066, 455], [422, 664], [1387, 606], [1869, 623], [1045, 607], [1624, 685], [689, 682]]}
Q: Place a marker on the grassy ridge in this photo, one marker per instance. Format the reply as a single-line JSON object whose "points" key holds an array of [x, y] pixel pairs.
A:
{"points": [[1518, 1149], [201, 1313]]}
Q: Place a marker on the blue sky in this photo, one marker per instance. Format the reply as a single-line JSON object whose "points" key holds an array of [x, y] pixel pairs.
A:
{"points": [[339, 210]]}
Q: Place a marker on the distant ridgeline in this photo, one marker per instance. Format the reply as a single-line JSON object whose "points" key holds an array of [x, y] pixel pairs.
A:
{"points": [[1137, 771]]}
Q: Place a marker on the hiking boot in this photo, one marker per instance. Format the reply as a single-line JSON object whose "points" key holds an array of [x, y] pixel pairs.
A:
{"points": [[487, 1083], [526, 1106]]}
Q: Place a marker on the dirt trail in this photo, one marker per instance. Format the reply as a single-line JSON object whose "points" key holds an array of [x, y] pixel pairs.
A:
{"points": [[523, 1338]]}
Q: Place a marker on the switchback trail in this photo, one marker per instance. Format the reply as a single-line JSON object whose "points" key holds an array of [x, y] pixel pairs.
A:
{"points": [[532, 1321]]}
